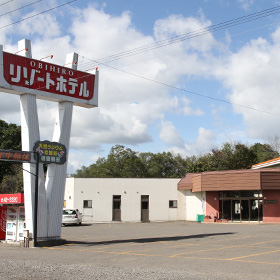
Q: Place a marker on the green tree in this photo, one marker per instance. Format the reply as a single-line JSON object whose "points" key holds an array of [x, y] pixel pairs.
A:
{"points": [[264, 152], [10, 173], [13, 183], [124, 163], [228, 157], [243, 157], [121, 163], [164, 165]]}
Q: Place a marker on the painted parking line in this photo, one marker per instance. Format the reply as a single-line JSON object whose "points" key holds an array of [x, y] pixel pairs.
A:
{"points": [[132, 249], [244, 261], [227, 247], [205, 250], [209, 243], [238, 259], [253, 255]]}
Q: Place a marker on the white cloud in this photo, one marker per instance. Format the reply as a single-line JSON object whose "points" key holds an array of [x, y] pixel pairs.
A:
{"points": [[187, 109], [42, 25], [170, 135], [252, 76], [205, 141], [246, 4], [78, 158], [129, 105], [176, 25]]}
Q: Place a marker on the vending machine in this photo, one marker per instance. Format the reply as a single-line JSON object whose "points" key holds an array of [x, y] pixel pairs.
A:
{"points": [[14, 216]]}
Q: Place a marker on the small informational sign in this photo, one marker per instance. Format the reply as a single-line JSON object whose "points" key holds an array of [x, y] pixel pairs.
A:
{"points": [[15, 198], [271, 201], [50, 152], [10, 155]]}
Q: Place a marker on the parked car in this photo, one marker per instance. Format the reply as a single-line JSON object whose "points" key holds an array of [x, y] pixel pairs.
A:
{"points": [[71, 216]]}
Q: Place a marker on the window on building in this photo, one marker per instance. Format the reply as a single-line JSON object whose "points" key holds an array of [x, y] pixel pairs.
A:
{"points": [[172, 203], [87, 203]]}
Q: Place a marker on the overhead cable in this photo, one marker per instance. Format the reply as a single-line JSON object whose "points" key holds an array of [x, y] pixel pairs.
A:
{"points": [[190, 35], [20, 8], [51, 9], [6, 2], [187, 91]]}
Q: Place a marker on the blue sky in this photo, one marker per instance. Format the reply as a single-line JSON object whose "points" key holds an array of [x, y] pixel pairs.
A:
{"points": [[220, 86]]}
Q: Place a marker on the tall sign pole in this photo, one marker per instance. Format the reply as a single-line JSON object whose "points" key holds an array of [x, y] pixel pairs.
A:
{"points": [[30, 133], [56, 175], [31, 79], [36, 201]]}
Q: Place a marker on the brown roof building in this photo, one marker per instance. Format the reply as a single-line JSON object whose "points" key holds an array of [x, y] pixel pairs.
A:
{"points": [[239, 195]]}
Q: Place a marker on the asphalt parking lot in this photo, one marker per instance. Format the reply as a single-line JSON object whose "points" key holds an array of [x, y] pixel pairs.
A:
{"points": [[168, 250]]}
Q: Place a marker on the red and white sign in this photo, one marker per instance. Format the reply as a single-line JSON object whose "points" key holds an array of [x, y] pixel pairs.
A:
{"points": [[15, 198], [3, 221], [34, 74], [21, 75]]}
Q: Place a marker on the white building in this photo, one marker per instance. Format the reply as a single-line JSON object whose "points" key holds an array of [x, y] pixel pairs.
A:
{"points": [[132, 199]]}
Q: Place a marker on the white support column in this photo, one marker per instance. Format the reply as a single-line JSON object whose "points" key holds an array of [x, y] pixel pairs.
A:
{"points": [[30, 134], [56, 176]]}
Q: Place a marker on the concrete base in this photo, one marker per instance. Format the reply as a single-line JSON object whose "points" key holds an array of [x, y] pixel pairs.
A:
{"points": [[42, 243], [48, 243]]}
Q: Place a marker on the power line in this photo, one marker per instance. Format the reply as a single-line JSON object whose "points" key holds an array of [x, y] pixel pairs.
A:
{"points": [[187, 91], [173, 40], [6, 2], [190, 35], [20, 8], [232, 35], [51, 9]]}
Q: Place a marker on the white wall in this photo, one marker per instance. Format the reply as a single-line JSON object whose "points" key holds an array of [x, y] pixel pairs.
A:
{"points": [[101, 191], [194, 204], [69, 192], [182, 212]]}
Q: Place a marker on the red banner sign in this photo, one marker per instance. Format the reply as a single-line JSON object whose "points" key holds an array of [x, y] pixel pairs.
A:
{"points": [[3, 221], [10, 155], [38, 75], [15, 198]]}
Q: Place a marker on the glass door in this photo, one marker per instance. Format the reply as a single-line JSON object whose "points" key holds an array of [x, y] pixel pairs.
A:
{"points": [[254, 208], [226, 210], [235, 210], [245, 211]]}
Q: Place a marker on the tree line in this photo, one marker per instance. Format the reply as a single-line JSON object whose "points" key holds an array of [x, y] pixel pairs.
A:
{"points": [[123, 162]]}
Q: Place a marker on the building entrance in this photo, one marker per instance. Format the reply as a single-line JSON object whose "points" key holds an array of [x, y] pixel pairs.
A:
{"points": [[116, 208], [241, 206]]}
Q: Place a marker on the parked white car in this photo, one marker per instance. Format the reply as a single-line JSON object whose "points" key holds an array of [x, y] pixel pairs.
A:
{"points": [[71, 216]]}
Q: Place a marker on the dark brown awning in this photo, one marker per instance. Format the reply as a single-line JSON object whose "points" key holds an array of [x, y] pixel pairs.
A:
{"points": [[231, 180]]}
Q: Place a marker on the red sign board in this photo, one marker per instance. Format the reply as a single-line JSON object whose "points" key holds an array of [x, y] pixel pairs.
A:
{"points": [[15, 198], [3, 221], [10, 155], [42, 76]]}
